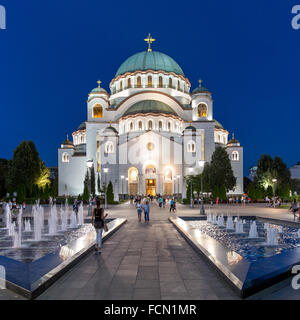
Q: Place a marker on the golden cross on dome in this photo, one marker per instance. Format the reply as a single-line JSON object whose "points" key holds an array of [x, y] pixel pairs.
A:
{"points": [[200, 83], [232, 135], [149, 40], [67, 137], [99, 82]]}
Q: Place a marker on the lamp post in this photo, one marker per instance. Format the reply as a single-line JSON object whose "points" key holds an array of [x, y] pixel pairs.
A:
{"points": [[191, 189], [90, 164], [122, 180], [178, 177], [274, 182], [127, 185], [105, 170], [202, 210]]}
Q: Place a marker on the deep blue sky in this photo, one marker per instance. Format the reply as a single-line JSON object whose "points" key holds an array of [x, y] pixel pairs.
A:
{"points": [[247, 53]]}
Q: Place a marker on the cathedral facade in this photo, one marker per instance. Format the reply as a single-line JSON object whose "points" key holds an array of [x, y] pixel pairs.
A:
{"points": [[147, 134]]}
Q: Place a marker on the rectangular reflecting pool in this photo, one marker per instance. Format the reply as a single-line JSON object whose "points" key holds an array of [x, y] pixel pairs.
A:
{"points": [[249, 264]]}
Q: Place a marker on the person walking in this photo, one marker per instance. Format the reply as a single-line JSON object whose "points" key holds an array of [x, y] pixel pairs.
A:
{"points": [[139, 210], [146, 208], [294, 208], [98, 222], [164, 202], [172, 205], [160, 201]]}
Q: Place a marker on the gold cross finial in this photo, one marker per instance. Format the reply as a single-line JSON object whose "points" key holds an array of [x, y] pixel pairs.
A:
{"points": [[232, 135], [149, 40], [99, 82], [67, 137], [200, 83]]}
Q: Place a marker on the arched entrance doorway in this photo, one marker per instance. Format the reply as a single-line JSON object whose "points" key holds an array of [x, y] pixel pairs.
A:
{"points": [[150, 182], [133, 181]]}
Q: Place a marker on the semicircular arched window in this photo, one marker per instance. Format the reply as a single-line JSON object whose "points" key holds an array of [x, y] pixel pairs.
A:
{"points": [[65, 157], [109, 147], [191, 146], [140, 125], [129, 83], [149, 82], [202, 110], [97, 111], [160, 82], [235, 156], [139, 82]]}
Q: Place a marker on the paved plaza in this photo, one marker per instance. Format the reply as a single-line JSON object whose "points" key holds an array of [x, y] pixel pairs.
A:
{"points": [[153, 261]]}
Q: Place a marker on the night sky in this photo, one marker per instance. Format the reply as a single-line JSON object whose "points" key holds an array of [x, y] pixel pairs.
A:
{"points": [[53, 52]]}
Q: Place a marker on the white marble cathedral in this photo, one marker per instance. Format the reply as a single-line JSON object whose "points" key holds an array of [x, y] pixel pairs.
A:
{"points": [[148, 133]]}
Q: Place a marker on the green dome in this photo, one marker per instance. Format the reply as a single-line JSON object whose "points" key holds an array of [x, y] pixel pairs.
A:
{"points": [[82, 126], [99, 90], [150, 60], [218, 125], [150, 106]]}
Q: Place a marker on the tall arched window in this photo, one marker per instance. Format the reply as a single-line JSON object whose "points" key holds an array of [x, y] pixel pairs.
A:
{"points": [[191, 147], [160, 82], [202, 110], [139, 82], [65, 157], [149, 81], [169, 126], [160, 125], [170, 83], [150, 125], [178, 85], [97, 111], [235, 156], [109, 147], [131, 126], [129, 83], [121, 85], [140, 125]]}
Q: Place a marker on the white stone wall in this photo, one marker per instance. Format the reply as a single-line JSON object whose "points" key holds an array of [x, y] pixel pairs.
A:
{"points": [[237, 167]]}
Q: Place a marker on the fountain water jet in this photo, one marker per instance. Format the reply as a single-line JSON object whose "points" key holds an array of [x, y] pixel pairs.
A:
{"points": [[80, 215], [214, 219], [272, 237], [253, 231], [239, 227], [73, 220], [221, 221], [229, 224], [27, 225]]}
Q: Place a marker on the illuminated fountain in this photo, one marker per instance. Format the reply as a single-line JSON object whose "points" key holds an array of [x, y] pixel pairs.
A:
{"points": [[52, 221], [221, 221], [214, 219], [272, 237], [239, 226], [80, 215], [64, 219], [253, 230], [38, 222], [73, 220], [229, 224], [27, 226]]}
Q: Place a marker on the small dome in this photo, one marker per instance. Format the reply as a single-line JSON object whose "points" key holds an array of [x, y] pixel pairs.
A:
{"points": [[218, 125], [82, 126], [67, 143], [149, 106], [99, 89], [190, 128], [200, 89], [233, 141], [150, 60]]}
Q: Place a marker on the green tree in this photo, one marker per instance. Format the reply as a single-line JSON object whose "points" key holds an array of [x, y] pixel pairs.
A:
{"points": [[218, 175], [110, 193], [98, 183], [86, 182], [25, 167], [93, 182], [3, 176]]}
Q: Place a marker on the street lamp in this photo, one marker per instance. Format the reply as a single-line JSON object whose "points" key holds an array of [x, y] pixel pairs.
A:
{"points": [[202, 210], [127, 185], [178, 177], [122, 179], [90, 164], [191, 171], [105, 170]]}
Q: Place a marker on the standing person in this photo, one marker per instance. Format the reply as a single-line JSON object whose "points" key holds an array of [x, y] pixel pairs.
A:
{"points": [[164, 202], [98, 222], [146, 208], [139, 210], [217, 201], [172, 205], [294, 208], [160, 201]]}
